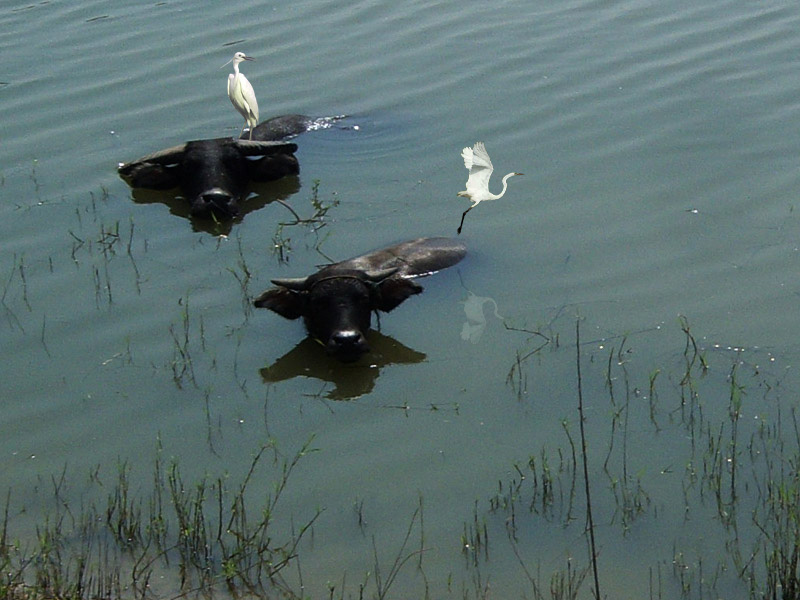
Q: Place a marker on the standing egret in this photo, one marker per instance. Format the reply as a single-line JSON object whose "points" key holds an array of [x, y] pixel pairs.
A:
{"points": [[242, 95], [480, 168]]}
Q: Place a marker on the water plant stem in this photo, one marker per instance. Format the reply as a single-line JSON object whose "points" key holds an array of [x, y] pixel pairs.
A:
{"points": [[589, 519]]}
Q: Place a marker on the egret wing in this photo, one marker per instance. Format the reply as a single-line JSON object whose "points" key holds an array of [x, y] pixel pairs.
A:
{"points": [[234, 93], [477, 160], [480, 157], [466, 154], [249, 97]]}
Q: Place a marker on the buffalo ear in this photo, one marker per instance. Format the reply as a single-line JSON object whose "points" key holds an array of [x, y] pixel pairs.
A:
{"points": [[283, 301], [273, 167], [151, 176], [392, 291]]}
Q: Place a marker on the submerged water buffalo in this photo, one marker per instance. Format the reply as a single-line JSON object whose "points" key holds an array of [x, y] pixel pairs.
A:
{"points": [[337, 301], [278, 129], [214, 175]]}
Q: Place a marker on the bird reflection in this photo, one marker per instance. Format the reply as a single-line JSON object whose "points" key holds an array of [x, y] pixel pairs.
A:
{"points": [[350, 380], [261, 195], [476, 318]]}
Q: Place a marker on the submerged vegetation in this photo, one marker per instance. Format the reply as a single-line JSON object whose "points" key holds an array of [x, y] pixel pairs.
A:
{"points": [[197, 538], [683, 468], [282, 243], [739, 483], [169, 537]]}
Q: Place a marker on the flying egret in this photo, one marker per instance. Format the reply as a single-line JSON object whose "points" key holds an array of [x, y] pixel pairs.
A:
{"points": [[480, 168], [242, 95]]}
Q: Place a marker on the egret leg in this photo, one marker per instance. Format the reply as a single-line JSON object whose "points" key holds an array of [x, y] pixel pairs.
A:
{"points": [[464, 215]]}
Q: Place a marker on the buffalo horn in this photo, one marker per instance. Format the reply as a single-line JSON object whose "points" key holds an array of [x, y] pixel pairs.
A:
{"points": [[251, 148], [162, 157], [296, 284], [379, 275]]}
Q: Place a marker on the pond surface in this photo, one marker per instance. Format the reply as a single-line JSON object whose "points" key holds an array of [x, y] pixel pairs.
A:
{"points": [[659, 143]]}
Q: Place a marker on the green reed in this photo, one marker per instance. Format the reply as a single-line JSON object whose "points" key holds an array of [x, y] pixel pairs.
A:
{"points": [[205, 531]]}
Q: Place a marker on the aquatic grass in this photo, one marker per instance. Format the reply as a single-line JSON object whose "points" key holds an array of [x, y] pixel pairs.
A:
{"points": [[776, 551], [544, 486], [781, 545], [695, 365], [282, 244], [517, 377], [182, 364], [129, 252], [35, 179], [17, 269], [358, 508], [24, 281], [564, 584], [727, 461], [630, 497], [714, 469], [123, 513], [402, 557], [652, 397], [377, 582], [243, 276], [475, 538], [99, 248], [204, 529], [584, 456]]}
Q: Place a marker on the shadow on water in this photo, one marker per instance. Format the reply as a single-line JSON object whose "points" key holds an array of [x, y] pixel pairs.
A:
{"points": [[350, 380], [261, 195]]}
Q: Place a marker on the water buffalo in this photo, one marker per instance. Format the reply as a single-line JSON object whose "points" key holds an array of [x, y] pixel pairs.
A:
{"points": [[278, 129], [337, 301], [213, 175]]}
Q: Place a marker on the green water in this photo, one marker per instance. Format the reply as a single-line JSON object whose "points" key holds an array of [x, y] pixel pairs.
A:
{"points": [[658, 143]]}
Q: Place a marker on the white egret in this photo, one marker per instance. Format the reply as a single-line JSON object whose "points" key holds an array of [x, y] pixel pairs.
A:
{"points": [[480, 168], [242, 95]]}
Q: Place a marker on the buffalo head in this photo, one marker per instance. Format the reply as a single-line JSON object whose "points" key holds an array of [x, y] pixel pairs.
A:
{"points": [[213, 175], [337, 304], [337, 301]]}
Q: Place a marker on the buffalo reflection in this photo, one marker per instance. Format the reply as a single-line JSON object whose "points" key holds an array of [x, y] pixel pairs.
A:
{"points": [[350, 380], [261, 194]]}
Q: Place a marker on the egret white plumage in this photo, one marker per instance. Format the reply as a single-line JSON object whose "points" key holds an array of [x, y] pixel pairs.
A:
{"points": [[480, 168], [242, 95]]}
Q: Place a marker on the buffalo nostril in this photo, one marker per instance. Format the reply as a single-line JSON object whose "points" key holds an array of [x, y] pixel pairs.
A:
{"points": [[215, 200], [346, 338], [347, 345]]}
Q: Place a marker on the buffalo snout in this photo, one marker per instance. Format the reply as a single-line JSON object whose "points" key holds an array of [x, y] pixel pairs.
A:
{"points": [[215, 201], [347, 345]]}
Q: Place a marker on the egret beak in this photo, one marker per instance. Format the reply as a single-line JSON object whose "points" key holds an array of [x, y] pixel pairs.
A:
{"points": [[248, 58]]}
